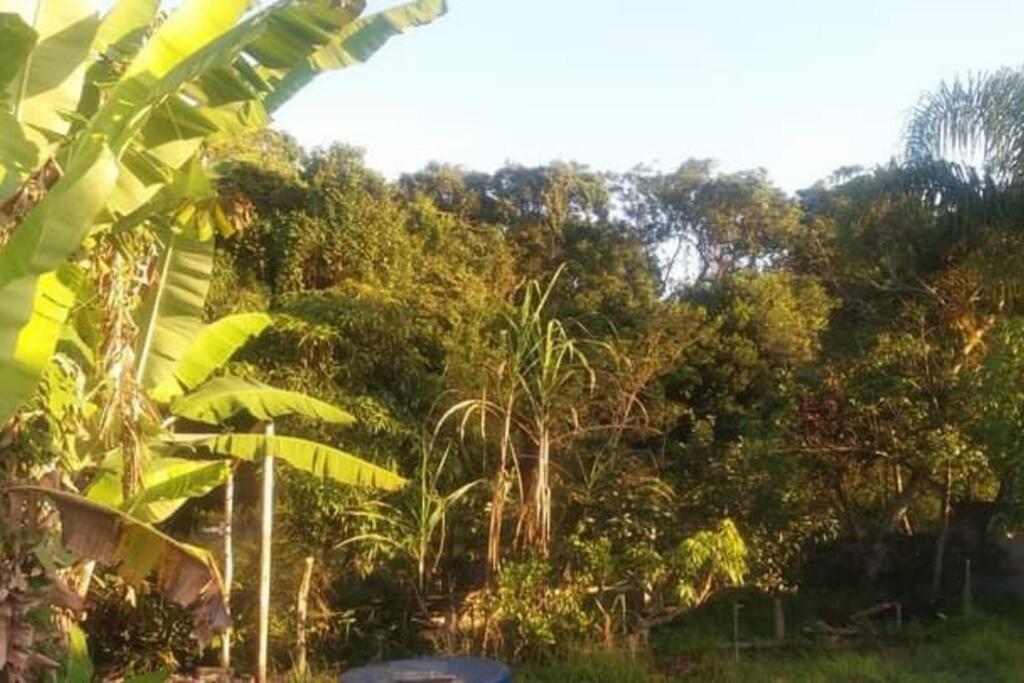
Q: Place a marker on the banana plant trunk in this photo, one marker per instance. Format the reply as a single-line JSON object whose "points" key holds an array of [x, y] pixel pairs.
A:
{"points": [[266, 531]]}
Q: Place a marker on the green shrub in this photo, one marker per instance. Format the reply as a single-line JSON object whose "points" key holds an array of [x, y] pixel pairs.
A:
{"points": [[536, 615]]}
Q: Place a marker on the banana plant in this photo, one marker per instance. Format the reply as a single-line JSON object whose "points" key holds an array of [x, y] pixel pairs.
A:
{"points": [[176, 359], [100, 113], [105, 117]]}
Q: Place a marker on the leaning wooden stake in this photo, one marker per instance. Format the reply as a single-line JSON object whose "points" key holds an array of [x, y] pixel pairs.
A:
{"points": [[266, 531], [301, 609], [229, 564]]}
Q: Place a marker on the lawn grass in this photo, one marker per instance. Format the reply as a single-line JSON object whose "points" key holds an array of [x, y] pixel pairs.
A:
{"points": [[598, 667], [987, 647]]}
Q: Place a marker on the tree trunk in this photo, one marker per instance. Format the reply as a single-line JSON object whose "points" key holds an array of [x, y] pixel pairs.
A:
{"points": [[898, 508], [940, 542], [847, 509], [301, 610], [229, 563], [266, 532]]}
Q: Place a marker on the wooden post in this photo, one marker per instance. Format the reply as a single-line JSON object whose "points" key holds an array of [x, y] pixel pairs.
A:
{"points": [[266, 532], [942, 540], [301, 609], [968, 595], [780, 621], [229, 562], [736, 630], [899, 616]]}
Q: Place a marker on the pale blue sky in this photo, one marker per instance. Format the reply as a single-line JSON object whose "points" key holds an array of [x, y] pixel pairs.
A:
{"points": [[797, 87]]}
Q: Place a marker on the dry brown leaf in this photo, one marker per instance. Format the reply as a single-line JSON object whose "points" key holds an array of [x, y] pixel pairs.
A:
{"points": [[184, 574]]}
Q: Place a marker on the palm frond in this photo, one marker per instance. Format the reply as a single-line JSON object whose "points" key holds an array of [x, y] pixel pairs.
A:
{"points": [[982, 114]]}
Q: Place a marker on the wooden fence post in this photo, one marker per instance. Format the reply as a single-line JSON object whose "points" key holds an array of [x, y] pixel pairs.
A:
{"points": [[780, 621], [301, 610], [968, 595], [266, 532], [736, 606], [229, 562]]}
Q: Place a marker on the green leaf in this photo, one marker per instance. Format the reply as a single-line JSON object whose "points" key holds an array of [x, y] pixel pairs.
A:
{"points": [[48, 85], [124, 26], [195, 24], [32, 315], [173, 314], [352, 45], [167, 484], [308, 456], [18, 156], [78, 668], [54, 228], [225, 397], [185, 574], [210, 350], [171, 482], [73, 346], [16, 42], [158, 676], [37, 287], [195, 37], [199, 49]]}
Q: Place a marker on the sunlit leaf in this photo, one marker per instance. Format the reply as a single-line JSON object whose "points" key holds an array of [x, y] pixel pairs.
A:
{"points": [[210, 350], [308, 456], [167, 484], [37, 288], [173, 314], [48, 84], [222, 398]]}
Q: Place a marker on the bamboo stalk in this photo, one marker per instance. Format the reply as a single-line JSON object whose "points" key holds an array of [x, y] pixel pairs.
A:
{"points": [[266, 532]]}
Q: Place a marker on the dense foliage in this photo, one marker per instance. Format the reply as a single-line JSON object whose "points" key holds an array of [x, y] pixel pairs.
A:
{"points": [[692, 378], [584, 403]]}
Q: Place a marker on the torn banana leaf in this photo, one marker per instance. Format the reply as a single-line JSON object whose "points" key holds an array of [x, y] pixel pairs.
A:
{"points": [[184, 574]]}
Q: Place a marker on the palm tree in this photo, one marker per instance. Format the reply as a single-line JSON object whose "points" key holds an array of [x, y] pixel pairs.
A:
{"points": [[979, 118], [963, 165]]}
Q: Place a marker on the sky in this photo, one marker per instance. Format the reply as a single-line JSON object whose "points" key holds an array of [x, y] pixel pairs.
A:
{"points": [[799, 88]]}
